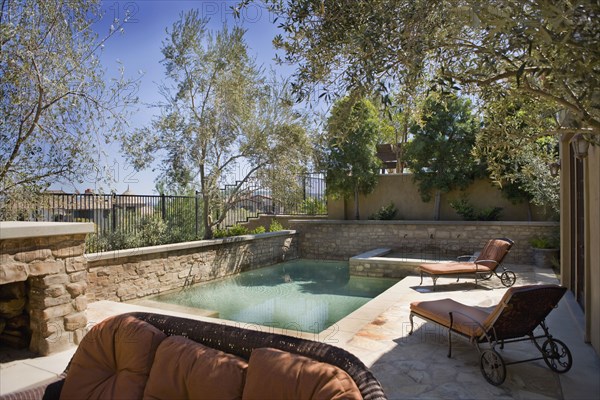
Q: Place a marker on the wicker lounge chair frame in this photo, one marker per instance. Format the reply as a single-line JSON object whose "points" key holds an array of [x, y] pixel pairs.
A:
{"points": [[481, 268], [240, 342], [514, 319]]}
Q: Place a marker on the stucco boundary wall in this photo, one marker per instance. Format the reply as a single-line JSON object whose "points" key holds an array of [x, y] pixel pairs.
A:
{"points": [[134, 273], [435, 240]]}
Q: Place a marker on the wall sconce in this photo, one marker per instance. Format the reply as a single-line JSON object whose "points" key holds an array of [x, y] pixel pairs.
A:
{"points": [[580, 146], [554, 169]]}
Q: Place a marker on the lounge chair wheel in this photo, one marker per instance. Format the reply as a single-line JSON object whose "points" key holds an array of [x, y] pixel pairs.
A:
{"points": [[508, 278], [492, 367], [557, 355]]}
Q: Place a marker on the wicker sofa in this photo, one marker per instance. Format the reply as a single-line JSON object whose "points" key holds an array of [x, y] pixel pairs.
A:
{"points": [[153, 356]]}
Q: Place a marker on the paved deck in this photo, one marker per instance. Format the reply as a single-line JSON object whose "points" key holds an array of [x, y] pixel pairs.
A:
{"points": [[409, 367]]}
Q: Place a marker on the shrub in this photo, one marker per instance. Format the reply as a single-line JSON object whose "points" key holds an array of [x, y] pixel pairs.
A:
{"points": [[219, 233], [385, 213], [152, 231], [313, 206], [275, 226], [238, 230], [469, 213], [545, 242]]}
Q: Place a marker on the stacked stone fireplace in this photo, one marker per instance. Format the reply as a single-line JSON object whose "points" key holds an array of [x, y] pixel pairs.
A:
{"points": [[43, 281]]}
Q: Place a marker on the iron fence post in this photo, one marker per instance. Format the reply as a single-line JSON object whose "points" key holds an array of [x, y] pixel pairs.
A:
{"points": [[196, 211]]}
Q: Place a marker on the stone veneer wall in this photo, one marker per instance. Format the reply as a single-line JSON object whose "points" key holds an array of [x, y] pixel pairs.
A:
{"points": [[134, 273], [49, 259], [342, 239]]}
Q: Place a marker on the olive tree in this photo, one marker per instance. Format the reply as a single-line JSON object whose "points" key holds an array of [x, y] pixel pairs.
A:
{"points": [[543, 49], [539, 50], [57, 107], [220, 115]]}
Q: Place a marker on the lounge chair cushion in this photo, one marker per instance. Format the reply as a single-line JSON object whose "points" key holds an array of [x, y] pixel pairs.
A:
{"points": [[276, 374], [465, 319], [443, 268], [495, 249], [113, 360], [184, 369]]}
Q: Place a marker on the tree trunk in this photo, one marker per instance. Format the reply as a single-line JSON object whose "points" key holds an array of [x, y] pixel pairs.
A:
{"points": [[205, 206], [436, 206], [356, 213]]}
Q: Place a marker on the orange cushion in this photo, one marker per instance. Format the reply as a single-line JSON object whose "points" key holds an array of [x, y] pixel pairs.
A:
{"points": [[113, 360], [276, 374], [465, 319], [495, 249], [184, 369], [448, 268]]}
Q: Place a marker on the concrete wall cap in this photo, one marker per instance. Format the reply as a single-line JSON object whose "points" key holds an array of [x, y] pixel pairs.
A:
{"points": [[423, 222], [30, 229], [182, 246]]}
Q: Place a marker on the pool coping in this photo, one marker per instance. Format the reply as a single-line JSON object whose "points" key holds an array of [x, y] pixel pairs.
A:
{"points": [[375, 263]]}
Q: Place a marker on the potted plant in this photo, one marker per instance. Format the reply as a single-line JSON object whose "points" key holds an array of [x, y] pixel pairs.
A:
{"points": [[545, 250]]}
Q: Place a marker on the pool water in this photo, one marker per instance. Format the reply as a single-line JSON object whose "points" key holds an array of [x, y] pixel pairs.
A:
{"points": [[304, 295]]}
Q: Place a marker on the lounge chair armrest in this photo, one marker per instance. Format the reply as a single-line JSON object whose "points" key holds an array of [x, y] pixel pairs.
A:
{"points": [[486, 261]]}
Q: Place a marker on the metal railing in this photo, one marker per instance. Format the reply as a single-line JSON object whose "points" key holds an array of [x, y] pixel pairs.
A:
{"points": [[127, 221], [122, 221], [305, 196]]}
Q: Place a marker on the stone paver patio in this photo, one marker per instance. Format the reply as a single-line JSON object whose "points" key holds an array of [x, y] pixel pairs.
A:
{"points": [[412, 367]]}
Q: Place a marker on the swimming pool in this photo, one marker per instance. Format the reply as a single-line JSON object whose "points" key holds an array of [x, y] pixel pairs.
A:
{"points": [[304, 295]]}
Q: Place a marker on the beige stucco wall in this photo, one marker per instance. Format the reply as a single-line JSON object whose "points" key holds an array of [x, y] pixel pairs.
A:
{"points": [[593, 248], [402, 191], [591, 239]]}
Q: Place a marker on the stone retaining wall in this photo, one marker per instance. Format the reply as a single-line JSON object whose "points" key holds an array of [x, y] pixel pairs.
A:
{"points": [[340, 240], [43, 281], [128, 274]]}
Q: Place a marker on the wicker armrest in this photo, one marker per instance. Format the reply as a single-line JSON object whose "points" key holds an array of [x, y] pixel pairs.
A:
{"points": [[49, 390]]}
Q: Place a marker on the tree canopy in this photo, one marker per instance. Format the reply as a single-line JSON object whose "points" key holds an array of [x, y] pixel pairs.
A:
{"points": [[220, 116], [351, 161], [517, 155], [57, 107], [534, 52], [543, 49], [439, 154]]}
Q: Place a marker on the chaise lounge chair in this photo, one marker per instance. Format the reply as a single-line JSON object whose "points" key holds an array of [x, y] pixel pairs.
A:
{"points": [[514, 319], [483, 267]]}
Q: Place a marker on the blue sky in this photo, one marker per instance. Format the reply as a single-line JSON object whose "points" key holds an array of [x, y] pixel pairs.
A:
{"points": [[138, 49]]}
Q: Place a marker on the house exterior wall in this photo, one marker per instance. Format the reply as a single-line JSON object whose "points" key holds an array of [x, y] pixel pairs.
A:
{"points": [[592, 199], [404, 193], [591, 235]]}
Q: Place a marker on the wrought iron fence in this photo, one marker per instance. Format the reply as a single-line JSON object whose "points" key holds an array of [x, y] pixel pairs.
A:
{"points": [[127, 221], [122, 221], [250, 199]]}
